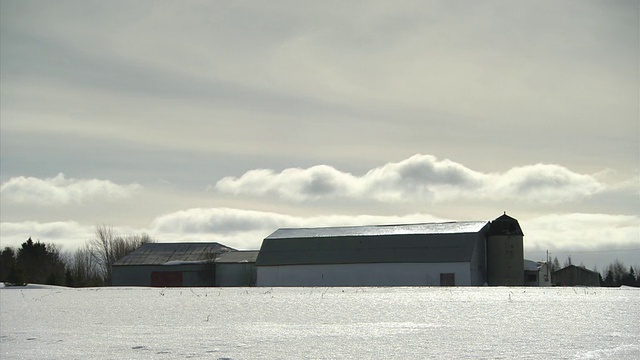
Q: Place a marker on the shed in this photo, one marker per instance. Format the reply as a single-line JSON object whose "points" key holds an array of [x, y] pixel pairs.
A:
{"points": [[169, 264], [236, 268], [536, 273], [450, 253], [575, 276]]}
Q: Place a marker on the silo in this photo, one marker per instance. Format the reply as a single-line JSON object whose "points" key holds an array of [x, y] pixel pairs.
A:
{"points": [[505, 252]]}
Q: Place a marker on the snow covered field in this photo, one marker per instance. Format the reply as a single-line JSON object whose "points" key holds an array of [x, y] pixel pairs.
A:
{"points": [[319, 323]]}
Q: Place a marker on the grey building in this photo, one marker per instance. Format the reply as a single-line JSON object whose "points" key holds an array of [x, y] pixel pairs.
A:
{"points": [[575, 276], [451, 253], [236, 268], [169, 264]]}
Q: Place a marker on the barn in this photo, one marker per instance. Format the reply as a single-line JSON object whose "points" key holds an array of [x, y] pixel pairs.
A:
{"points": [[575, 276], [171, 264], [468, 253]]}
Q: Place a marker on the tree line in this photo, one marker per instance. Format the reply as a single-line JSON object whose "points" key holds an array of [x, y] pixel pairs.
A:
{"points": [[88, 266], [614, 275]]}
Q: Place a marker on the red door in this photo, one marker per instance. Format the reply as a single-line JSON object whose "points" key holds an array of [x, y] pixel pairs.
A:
{"points": [[166, 278]]}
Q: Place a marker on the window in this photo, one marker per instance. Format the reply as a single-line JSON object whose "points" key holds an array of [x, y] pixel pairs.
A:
{"points": [[447, 279]]}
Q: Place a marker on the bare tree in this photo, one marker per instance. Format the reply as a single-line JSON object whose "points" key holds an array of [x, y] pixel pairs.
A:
{"points": [[568, 262], [107, 247], [83, 268]]}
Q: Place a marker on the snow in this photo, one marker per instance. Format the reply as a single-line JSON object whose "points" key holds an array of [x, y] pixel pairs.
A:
{"points": [[294, 323], [184, 262]]}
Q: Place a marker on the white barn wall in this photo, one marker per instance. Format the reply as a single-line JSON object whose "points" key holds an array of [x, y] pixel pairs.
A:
{"points": [[378, 274]]}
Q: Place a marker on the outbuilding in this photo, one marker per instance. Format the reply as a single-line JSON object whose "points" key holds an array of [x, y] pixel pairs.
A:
{"points": [[236, 268], [169, 264], [575, 276], [536, 273]]}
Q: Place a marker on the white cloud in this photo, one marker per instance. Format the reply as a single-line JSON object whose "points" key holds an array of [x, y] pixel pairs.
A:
{"points": [[61, 191], [420, 177], [583, 232], [69, 234]]}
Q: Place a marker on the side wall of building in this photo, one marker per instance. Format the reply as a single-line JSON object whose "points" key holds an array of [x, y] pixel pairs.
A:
{"points": [[376, 274], [144, 275], [575, 276], [479, 262], [505, 260], [235, 274]]}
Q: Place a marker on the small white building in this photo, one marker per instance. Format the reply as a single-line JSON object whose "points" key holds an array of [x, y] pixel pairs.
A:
{"points": [[536, 273]]}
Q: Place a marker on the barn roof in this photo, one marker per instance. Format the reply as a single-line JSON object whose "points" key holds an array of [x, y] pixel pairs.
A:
{"points": [[173, 253], [530, 265], [454, 227], [430, 242], [234, 257]]}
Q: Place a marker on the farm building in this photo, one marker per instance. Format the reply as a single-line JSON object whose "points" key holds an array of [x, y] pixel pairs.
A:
{"points": [[536, 273], [575, 276], [452, 253], [184, 264], [236, 268]]}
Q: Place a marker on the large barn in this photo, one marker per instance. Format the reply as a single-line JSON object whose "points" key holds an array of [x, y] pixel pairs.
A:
{"points": [[451, 253], [185, 264]]}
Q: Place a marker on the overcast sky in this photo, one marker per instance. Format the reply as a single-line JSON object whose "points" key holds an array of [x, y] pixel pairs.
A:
{"points": [[225, 120]]}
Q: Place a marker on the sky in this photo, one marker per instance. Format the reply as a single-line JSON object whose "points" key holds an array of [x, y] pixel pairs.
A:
{"points": [[226, 120]]}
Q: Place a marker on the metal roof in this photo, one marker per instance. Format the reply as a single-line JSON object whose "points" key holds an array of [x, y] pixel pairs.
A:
{"points": [[505, 225], [162, 253], [530, 265], [454, 227], [234, 257], [433, 242]]}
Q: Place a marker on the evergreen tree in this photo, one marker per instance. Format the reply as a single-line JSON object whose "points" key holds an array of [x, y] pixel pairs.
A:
{"points": [[630, 278], [39, 264], [608, 279], [16, 277], [7, 262]]}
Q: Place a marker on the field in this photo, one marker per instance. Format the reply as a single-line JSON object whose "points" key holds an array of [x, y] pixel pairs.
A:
{"points": [[39, 322]]}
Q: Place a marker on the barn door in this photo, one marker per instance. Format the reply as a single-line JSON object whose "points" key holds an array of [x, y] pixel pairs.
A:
{"points": [[447, 279], [166, 278]]}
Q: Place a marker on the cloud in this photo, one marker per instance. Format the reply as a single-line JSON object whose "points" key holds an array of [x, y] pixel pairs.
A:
{"points": [[61, 191], [420, 177], [584, 232], [69, 234]]}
